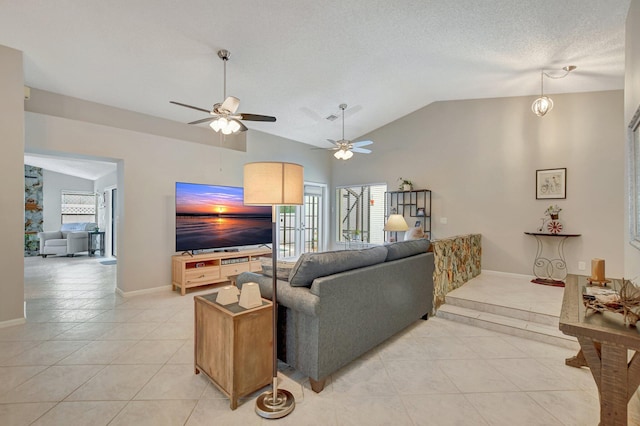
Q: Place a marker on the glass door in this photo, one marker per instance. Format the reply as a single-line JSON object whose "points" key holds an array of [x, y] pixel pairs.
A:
{"points": [[301, 227]]}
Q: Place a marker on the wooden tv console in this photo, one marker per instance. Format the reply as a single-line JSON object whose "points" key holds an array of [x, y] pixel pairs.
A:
{"points": [[209, 268]]}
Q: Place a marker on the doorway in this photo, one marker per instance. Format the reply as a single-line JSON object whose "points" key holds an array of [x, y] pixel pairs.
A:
{"points": [[302, 228]]}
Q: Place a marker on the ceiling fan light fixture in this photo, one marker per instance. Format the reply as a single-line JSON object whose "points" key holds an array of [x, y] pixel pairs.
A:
{"points": [[339, 154], [234, 126], [347, 154]]}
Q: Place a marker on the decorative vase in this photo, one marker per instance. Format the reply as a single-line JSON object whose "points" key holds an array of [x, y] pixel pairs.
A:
{"points": [[554, 216], [406, 187]]}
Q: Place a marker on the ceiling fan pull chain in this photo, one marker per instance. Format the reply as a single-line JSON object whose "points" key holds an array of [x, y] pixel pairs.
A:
{"points": [[224, 87]]}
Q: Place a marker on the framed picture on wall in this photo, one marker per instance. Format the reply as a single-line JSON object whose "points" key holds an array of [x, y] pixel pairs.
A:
{"points": [[551, 184]]}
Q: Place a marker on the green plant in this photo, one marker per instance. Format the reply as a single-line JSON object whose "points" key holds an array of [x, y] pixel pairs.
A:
{"points": [[553, 209], [403, 182]]}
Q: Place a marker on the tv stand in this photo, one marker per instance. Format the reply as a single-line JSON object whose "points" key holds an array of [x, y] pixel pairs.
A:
{"points": [[210, 268]]}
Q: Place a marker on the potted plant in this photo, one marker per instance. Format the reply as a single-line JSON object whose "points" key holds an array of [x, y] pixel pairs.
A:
{"points": [[553, 211], [405, 184]]}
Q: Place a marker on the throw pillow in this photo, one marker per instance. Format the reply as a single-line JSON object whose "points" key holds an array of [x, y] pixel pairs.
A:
{"points": [[414, 234], [313, 265], [283, 268], [407, 248]]}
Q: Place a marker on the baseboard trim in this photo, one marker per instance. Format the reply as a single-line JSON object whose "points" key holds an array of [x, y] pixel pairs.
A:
{"points": [[145, 291], [507, 274], [11, 323]]}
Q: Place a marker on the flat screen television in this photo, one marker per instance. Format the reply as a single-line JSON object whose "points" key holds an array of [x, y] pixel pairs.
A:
{"points": [[215, 217]]}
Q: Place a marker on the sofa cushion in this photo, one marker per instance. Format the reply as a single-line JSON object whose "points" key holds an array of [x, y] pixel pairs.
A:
{"points": [[283, 268], [56, 243], [313, 265], [406, 248]]}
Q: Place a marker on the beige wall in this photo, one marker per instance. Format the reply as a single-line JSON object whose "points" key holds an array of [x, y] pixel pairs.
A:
{"points": [[479, 158], [631, 103], [12, 193], [52, 186]]}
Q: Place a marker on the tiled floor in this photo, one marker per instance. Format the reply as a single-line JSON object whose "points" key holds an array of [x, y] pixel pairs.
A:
{"points": [[89, 357]]}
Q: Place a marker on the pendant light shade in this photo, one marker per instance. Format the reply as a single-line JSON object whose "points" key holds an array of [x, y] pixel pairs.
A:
{"points": [[542, 105]]}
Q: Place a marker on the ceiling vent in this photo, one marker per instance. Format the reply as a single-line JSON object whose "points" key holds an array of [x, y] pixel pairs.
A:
{"points": [[332, 117]]}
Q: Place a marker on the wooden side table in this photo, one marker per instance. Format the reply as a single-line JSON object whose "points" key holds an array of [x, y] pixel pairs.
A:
{"points": [[234, 346]]}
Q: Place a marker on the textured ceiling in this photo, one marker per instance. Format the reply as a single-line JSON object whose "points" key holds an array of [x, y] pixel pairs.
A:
{"points": [[299, 59], [86, 169]]}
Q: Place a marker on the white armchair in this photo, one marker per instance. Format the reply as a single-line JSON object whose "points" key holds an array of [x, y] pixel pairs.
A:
{"points": [[72, 238]]}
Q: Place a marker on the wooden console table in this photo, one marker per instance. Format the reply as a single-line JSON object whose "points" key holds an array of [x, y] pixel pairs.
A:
{"points": [[209, 268], [550, 270], [604, 341]]}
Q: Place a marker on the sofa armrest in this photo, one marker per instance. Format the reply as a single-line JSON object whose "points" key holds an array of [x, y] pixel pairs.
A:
{"points": [[77, 241], [74, 235], [297, 298], [48, 235]]}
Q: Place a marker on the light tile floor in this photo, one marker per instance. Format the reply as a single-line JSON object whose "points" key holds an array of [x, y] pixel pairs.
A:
{"points": [[87, 356]]}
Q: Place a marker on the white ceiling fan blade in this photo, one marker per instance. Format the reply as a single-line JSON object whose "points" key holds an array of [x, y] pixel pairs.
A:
{"points": [[231, 104], [362, 150], [361, 143]]}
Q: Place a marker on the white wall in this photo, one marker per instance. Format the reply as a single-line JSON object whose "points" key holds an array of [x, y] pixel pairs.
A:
{"points": [[148, 168], [479, 158], [631, 103], [53, 185], [12, 181]]}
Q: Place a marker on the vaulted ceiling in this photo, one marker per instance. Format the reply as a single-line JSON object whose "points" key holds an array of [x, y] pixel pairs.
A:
{"points": [[299, 59]]}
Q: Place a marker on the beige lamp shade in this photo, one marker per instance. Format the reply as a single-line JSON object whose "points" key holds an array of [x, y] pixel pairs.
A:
{"points": [[396, 223], [273, 183]]}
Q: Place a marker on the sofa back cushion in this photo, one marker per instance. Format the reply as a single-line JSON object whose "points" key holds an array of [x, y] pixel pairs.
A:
{"points": [[406, 248], [313, 265], [65, 228]]}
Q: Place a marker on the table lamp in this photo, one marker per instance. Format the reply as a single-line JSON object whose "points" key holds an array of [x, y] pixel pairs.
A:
{"points": [[396, 223], [273, 184]]}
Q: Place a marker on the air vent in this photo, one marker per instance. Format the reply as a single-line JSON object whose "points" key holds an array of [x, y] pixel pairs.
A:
{"points": [[332, 117]]}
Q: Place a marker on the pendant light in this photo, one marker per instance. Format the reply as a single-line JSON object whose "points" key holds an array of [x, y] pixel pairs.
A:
{"points": [[544, 104]]}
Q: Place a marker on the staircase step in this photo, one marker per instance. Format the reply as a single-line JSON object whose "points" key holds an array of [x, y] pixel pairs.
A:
{"points": [[508, 325], [525, 315]]}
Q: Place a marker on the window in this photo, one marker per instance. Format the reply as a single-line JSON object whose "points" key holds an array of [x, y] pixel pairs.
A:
{"points": [[360, 214], [78, 206], [634, 179]]}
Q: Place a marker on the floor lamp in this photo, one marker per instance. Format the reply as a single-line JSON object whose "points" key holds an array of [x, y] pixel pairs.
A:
{"points": [[273, 184]]}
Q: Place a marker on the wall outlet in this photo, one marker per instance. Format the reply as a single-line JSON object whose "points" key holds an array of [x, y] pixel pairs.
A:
{"points": [[582, 266], [443, 220]]}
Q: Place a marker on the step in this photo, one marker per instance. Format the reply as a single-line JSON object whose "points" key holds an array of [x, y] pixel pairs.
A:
{"points": [[508, 325], [506, 311]]}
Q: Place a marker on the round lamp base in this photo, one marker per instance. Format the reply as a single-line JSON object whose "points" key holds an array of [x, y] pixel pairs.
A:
{"points": [[267, 408]]}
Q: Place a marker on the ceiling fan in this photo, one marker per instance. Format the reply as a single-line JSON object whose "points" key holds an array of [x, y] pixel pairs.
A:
{"points": [[345, 148], [223, 115]]}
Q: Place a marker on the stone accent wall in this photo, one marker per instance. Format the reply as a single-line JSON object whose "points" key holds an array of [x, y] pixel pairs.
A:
{"points": [[33, 220], [457, 260]]}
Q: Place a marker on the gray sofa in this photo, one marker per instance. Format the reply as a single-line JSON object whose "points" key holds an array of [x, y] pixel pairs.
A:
{"points": [[72, 238], [338, 305]]}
